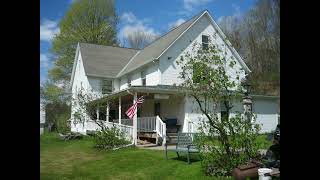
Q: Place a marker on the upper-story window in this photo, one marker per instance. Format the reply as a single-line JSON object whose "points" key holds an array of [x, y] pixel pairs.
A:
{"points": [[106, 86], [143, 78], [205, 42], [129, 80]]}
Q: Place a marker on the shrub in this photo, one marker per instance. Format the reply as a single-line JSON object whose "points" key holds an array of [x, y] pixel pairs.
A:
{"points": [[109, 138], [242, 145]]}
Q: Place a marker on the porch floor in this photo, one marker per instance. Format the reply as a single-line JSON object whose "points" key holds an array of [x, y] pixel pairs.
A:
{"points": [[162, 148], [156, 147]]}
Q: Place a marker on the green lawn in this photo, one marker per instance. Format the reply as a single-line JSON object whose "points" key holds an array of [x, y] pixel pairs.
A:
{"points": [[79, 160]]}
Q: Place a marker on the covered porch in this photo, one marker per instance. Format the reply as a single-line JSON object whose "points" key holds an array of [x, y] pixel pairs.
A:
{"points": [[161, 112]]}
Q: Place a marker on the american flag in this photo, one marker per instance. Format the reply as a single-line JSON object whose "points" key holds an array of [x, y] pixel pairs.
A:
{"points": [[132, 109]]}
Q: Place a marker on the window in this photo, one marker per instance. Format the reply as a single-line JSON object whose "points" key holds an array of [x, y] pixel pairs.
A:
{"points": [[157, 109], [143, 78], [205, 42], [106, 86], [112, 115]]}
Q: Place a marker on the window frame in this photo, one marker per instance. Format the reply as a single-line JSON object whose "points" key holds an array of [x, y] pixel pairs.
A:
{"points": [[206, 47], [103, 85]]}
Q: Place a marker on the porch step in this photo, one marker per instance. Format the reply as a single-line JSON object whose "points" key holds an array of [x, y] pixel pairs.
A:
{"points": [[172, 134], [172, 138]]}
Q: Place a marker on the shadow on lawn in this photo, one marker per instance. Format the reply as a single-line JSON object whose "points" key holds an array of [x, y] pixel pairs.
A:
{"points": [[193, 158]]}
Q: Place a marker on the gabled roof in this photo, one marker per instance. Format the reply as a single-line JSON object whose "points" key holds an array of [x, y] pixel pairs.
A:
{"points": [[104, 61], [155, 49], [112, 62]]}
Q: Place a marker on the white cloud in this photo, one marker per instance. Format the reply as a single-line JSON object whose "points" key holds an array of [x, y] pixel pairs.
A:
{"points": [[128, 17], [176, 23], [137, 27], [132, 24], [237, 12], [229, 21], [189, 5], [48, 29]]}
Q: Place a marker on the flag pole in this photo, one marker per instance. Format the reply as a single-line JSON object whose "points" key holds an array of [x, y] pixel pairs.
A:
{"points": [[135, 120]]}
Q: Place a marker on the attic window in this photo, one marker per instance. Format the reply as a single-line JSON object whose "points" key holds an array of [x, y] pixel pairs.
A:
{"points": [[106, 86], [205, 42]]}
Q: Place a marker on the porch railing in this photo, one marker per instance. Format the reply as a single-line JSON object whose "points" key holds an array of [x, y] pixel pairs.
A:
{"points": [[146, 124], [161, 130], [127, 122], [126, 130]]}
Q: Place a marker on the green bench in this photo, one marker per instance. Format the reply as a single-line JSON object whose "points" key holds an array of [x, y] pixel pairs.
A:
{"points": [[184, 145]]}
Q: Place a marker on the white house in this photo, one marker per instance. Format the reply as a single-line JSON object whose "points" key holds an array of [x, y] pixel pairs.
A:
{"points": [[121, 75]]}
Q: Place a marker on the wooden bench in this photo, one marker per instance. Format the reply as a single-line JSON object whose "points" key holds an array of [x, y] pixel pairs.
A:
{"points": [[184, 145]]}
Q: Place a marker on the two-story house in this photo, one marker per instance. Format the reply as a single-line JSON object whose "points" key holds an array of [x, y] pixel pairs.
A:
{"points": [[121, 75]]}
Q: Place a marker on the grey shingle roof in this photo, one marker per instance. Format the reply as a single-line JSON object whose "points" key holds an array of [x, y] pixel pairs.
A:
{"points": [[108, 61], [104, 61], [154, 50]]}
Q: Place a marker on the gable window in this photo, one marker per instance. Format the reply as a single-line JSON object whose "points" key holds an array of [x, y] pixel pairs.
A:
{"points": [[205, 42], [106, 86], [143, 78]]}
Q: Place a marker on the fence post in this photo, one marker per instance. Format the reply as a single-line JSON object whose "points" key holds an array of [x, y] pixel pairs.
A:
{"points": [[164, 135], [157, 129], [119, 109]]}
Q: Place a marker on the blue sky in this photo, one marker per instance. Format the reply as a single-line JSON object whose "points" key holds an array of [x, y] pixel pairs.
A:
{"points": [[154, 17]]}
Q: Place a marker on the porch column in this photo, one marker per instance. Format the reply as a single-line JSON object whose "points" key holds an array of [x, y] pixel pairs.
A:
{"points": [[97, 113], [119, 109], [135, 120], [108, 109]]}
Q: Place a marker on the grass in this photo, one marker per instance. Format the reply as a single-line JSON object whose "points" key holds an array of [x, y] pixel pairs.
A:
{"points": [[79, 160]]}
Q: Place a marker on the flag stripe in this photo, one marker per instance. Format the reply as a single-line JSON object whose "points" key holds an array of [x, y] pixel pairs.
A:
{"points": [[131, 111]]}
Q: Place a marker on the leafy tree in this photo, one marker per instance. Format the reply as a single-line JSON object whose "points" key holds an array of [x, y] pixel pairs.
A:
{"points": [[51, 93], [56, 108], [57, 115], [87, 21], [140, 39], [224, 142], [256, 36]]}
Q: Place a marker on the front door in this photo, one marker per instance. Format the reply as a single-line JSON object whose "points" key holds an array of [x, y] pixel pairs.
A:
{"points": [[157, 109]]}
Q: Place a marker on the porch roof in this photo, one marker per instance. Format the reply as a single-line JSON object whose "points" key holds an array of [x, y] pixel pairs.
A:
{"points": [[160, 89]]}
